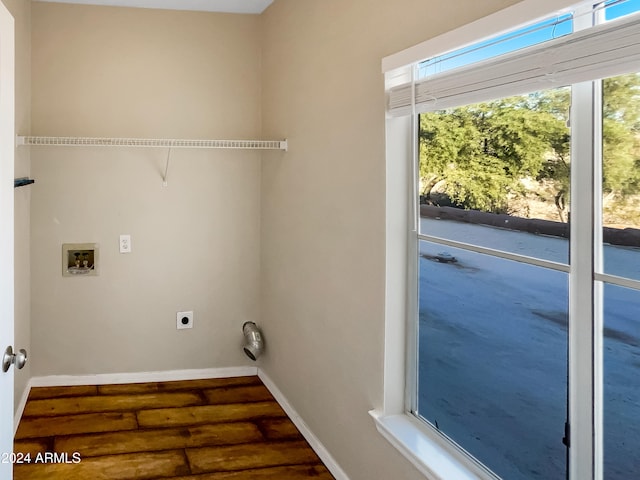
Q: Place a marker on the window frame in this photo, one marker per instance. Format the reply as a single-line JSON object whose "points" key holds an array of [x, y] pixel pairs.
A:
{"points": [[426, 448]]}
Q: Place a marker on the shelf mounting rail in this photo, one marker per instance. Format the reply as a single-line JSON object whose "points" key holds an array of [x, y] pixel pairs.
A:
{"points": [[151, 142]]}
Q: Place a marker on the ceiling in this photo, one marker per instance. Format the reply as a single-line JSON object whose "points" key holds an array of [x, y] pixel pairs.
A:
{"points": [[228, 6]]}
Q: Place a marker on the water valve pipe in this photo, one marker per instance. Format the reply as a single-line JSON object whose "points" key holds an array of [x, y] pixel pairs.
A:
{"points": [[254, 345]]}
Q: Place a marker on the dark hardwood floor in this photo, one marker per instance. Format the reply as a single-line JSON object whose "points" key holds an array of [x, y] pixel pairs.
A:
{"points": [[217, 429]]}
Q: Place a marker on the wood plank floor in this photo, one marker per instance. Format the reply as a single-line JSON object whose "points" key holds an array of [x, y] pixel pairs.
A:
{"points": [[217, 429]]}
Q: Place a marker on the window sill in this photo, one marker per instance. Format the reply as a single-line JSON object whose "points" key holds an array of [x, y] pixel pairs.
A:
{"points": [[427, 454]]}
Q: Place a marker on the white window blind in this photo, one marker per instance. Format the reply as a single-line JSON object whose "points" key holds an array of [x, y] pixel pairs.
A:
{"points": [[604, 50]]}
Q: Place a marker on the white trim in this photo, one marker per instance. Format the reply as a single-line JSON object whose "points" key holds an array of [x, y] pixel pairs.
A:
{"points": [[306, 432], [581, 332], [616, 280], [412, 294], [141, 377], [538, 262], [398, 200], [499, 22], [20, 407], [406, 434], [7, 252]]}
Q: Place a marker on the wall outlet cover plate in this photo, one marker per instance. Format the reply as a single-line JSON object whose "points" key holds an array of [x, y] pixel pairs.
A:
{"points": [[184, 320]]}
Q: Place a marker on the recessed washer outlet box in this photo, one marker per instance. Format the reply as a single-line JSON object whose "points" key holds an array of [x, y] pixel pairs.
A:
{"points": [[184, 320], [80, 259]]}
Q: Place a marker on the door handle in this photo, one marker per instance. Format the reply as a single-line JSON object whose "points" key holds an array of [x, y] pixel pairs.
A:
{"points": [[9, 358]]}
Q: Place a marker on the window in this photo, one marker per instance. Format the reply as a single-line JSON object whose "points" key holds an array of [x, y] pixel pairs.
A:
{"points": [[523, 274]]}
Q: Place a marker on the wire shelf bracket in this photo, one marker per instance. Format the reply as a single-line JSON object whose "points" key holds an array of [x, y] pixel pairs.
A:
{"points": [[151, 142]]}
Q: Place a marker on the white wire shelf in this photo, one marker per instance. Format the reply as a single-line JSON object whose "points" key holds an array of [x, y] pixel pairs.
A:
{"points": [[151, 142]]}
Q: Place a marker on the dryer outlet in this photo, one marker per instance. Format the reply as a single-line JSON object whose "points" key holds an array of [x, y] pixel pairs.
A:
{"points": [[184, 320]]}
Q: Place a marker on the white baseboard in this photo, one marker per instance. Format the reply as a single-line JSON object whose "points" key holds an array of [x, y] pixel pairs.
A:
{"points": [[20, 407], [140, 377], [306, 432]]}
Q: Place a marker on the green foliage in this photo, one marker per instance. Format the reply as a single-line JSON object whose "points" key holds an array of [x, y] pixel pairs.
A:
{"points": [[479, 155], [620, 130], [482, 151]]}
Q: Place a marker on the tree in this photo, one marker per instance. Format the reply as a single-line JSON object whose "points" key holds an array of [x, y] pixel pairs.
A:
{"points": [[621, 126], [556, 170], [478, 155], [481, 152]]}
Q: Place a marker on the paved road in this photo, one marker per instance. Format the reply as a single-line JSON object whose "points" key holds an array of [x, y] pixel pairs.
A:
{"points": [[493, 363]]}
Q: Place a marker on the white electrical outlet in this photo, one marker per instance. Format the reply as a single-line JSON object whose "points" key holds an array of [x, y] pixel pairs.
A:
{"points": [[125, 243], [184, 320]]}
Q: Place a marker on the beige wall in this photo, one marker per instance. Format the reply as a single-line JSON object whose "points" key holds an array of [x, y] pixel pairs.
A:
{"points": [[295, 242], [21, 12], [101, 71], [323, 210]]}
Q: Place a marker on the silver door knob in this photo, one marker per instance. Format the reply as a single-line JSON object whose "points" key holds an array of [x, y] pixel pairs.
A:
{"points": [[9, 358]]}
